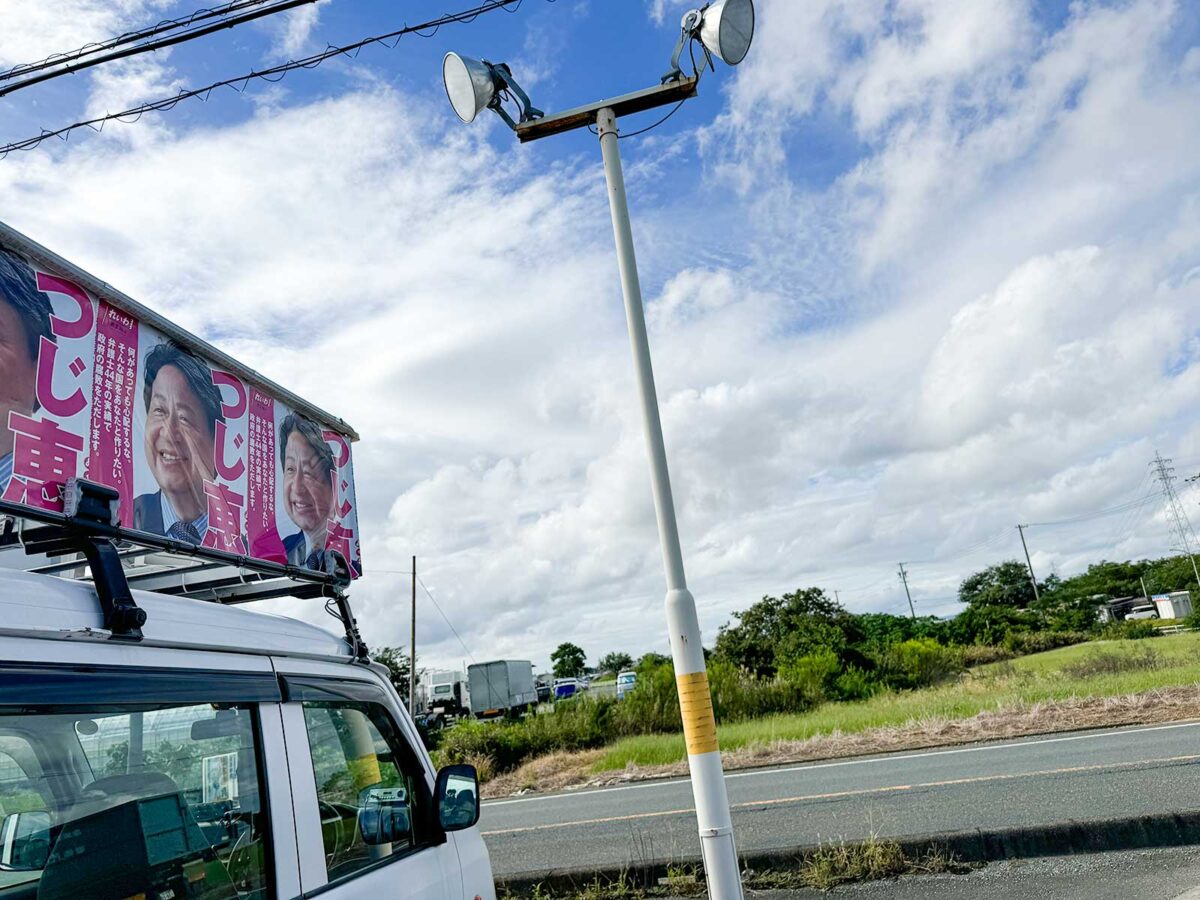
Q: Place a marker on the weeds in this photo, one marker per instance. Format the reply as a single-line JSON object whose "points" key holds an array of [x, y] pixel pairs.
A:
{"points": [[823, 868], [1143, 659], [839, 863]]}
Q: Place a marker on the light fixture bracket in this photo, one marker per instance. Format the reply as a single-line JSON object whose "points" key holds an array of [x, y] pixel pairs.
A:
{"points": [[503, 77], [689, 30]]}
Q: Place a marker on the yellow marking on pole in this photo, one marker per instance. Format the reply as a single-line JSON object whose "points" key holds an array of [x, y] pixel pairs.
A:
{"points": [[364, 771], [837, 795], [695, 705]]}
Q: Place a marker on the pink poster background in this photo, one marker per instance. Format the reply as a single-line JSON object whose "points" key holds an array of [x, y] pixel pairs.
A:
{"points": [[89, 418], [114, 375]]}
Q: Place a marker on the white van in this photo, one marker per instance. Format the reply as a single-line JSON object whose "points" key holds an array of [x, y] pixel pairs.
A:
{"points": [[227, 754]]}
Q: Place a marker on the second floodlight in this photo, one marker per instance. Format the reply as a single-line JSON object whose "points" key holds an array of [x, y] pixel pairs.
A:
{"points": [[725, 29], [473, 85]]}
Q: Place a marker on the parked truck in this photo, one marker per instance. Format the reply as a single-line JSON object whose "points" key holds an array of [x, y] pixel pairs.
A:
{"points": [[446, 696], [501, 687]]}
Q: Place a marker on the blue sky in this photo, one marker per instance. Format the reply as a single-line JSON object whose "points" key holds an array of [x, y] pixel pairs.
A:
{"points": [[915, 272]]}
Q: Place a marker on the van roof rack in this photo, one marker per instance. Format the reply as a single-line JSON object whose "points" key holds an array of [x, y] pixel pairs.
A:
{"points": [[84, 543]]}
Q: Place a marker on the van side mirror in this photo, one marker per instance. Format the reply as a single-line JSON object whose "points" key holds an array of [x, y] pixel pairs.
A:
{"points": [[25, 841], [456, 797]]}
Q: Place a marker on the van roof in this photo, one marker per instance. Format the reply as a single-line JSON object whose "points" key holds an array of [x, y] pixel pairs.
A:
{"points": [[51, 607]]}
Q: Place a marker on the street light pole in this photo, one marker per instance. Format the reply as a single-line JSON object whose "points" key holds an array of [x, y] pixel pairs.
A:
{"points": [[695, 700], [724, 29]]}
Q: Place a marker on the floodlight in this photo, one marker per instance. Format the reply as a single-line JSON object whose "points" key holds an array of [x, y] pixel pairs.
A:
{"points": [[725, 28], [474, 85], [469, 85]]}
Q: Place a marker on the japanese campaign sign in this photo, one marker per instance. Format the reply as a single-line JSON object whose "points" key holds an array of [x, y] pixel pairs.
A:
{"points": [[196, 452]]}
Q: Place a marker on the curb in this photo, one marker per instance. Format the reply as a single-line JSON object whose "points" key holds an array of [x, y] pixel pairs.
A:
{"points": [[977, 846]]}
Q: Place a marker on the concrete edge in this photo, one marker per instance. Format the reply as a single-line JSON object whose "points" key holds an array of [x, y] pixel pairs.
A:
{"points": [[976, 846]]}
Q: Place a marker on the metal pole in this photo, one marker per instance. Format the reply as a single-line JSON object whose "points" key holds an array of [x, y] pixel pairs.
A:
{"points": [[412, 648], [1145, 593], [695, 701], [1032, 577], [904, 577]]}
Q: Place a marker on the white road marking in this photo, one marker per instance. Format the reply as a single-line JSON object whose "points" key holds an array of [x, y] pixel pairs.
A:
{"points": [[979, 748], [860, 792]]}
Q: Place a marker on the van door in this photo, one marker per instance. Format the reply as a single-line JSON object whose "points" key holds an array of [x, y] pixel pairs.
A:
{"points": [[125, 781], [362, 794]]}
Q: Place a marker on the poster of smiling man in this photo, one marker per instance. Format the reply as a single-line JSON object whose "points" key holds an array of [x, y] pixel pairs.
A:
{"points": [[197, 454]]}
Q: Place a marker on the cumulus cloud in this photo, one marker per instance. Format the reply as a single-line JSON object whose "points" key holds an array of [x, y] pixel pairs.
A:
{"points": [[983, 315]]}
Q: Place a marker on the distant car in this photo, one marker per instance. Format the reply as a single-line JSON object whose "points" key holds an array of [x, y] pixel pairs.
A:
{"points": [[566, 688], [625, 683], [545, 692], [1148, 611]]}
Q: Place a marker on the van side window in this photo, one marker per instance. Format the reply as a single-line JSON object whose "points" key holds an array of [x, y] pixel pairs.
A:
{"points": [[153, 801], [372, 796]]}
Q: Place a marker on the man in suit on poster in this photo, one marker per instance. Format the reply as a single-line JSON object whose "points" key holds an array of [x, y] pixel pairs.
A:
{"points": [[308, 489], [183, 407], [24, 321]]}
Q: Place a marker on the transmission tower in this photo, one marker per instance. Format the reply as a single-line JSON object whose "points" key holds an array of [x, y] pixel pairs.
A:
{"points": [[1180, 526]]}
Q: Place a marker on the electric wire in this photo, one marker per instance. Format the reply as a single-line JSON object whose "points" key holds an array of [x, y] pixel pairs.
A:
{"points": [[987, 543], [1100, 513], [674, 109], [200, 15], [432, 600], [189, 35], [271, 75], [438, 607]]}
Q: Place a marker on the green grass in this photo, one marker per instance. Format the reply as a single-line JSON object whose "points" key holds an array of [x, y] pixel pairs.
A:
{"points": [[1029, 679]]}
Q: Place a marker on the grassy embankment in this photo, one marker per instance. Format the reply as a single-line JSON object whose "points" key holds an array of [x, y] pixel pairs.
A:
{"points": [[1092, 670]]}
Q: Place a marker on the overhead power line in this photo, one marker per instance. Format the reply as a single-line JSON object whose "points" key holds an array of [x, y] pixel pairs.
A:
{"points": [[273, 74], [188, 35], [130, 37], [432, 600], [444, 617], [1084, 517]]}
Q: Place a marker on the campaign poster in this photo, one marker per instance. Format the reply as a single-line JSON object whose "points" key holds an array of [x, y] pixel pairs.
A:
{"points": [[196, 453], [219, 778]]}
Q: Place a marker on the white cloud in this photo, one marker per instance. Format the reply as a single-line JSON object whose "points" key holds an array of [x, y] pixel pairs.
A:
{"points": [[34, 29], [293, 29], [987, 315]]}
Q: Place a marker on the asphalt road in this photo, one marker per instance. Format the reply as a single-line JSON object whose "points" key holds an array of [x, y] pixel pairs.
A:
{"points": [[1034, 781], [1164, 874]]}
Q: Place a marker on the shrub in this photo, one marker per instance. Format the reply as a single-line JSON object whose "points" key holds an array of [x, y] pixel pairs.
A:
{"points": [[1023, 642], [982, 654], [812, 675], [1105, 663], [653, 704], [855, 684], [919, 662], [1128, 630]]}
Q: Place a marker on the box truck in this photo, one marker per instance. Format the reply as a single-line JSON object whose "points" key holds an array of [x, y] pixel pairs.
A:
{"points": [[501, 687]]}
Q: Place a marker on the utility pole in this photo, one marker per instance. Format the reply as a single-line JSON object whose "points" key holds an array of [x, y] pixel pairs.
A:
{"points": [[837, 598], [1145, 593], [904, 578], [1180, 524], [1029, 563], [412, 648]]}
